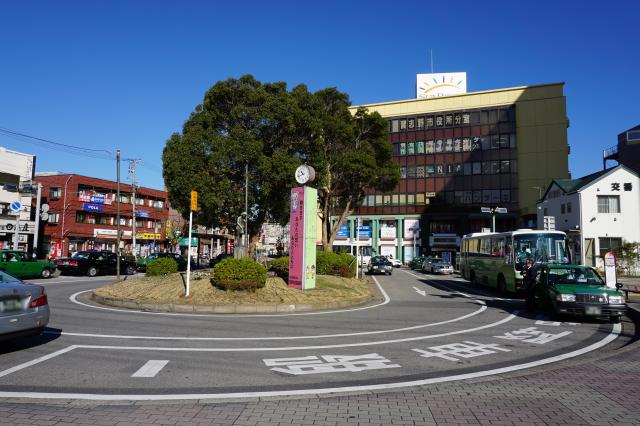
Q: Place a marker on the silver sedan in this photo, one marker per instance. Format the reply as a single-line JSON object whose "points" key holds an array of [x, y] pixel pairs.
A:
{"points": [[24, 308]]}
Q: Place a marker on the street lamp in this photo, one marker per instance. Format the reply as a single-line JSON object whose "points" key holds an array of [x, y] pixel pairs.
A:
{"points": [[493, 211]]}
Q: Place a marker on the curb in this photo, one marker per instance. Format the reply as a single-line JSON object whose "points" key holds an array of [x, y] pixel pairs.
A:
{"points": [[229, 309]]}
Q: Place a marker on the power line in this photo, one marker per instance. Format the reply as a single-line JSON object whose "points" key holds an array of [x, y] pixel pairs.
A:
{"points": [[46, 143]]}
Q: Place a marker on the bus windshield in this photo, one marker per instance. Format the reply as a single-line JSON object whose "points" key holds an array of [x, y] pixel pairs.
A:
{"points": [[542, 248]]}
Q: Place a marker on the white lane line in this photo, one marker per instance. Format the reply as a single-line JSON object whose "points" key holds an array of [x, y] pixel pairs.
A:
{"points": [[422, 292], [301, 348], [36, 361], [150, 368], [455, 291], [481, 309], [615, 332], [387, 299]]}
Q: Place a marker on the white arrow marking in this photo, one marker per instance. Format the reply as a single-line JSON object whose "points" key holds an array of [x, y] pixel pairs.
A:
{"points": [[151, 368], [422, 292]]}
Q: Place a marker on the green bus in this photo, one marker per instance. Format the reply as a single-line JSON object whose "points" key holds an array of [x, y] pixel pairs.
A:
{"points": [[496, 259]]}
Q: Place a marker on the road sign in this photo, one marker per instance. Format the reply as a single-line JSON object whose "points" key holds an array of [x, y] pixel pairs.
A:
{"points": [[485, 209], [16, 206], [501, 210], [194, 201]]}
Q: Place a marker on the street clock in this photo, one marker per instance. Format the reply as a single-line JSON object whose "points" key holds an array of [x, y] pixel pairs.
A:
{"points": [[305, 174]]}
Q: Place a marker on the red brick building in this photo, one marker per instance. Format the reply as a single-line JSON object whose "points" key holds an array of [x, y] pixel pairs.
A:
{"points": [[82, 215]]}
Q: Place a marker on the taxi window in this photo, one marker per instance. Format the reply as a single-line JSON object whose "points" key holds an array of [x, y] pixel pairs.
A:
{"points": [[574, 276]]}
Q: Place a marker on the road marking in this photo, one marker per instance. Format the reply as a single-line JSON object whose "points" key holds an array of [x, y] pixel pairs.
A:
{"points": [[302, 348], [422, 292], [36, 361], [615, 332], [150, 368], [387, 299]]}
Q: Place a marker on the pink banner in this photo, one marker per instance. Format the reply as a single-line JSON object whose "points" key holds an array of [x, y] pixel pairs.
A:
{"points": [[296, 242]]}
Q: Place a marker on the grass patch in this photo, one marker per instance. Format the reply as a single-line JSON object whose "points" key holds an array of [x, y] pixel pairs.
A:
{"points": [[169, 289]]}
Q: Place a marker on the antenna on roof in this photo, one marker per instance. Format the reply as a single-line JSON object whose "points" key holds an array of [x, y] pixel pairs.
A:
{"points": [[431, 60]]}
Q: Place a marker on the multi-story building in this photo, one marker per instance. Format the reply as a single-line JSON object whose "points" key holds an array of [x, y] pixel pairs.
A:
{"points": [[599, 212], [83, 210], [16, 186], [458, 154]]}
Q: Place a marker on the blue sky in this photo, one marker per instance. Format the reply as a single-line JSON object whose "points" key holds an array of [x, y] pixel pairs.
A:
{"points": [[110, 74]]}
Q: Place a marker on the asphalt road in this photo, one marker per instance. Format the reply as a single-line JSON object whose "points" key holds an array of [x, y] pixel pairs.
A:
{"points": [[425, 329]]}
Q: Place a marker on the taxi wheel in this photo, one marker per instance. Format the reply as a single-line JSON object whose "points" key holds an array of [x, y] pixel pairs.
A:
{"points": [[92, 271], [131, 270], [46, 273]]}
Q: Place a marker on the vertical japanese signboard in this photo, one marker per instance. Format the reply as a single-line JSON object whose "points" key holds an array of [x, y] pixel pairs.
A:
{"points": [[302, 249]]}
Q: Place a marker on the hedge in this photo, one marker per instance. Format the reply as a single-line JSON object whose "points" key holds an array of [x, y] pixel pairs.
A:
{"points": [[239, 274], [161, 266], [280, 266], [327, 263]]}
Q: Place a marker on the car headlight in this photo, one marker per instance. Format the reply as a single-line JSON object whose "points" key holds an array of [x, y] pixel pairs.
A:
{"points": [[566, 297], [616, 300]]}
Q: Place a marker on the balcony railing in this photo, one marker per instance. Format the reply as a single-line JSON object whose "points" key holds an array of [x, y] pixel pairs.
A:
{"points": [[610, 152]]}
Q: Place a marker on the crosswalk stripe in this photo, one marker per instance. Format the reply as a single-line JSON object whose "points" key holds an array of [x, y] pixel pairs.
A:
{"points": [[151, 368]]}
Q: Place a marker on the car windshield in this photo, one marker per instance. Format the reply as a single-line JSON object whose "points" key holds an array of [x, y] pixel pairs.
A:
{"points": [[6, 278], [80, 255], [574, 275]]}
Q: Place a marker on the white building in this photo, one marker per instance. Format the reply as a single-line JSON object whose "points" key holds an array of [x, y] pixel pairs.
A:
{"points": [[16, 177], [599, 211]]}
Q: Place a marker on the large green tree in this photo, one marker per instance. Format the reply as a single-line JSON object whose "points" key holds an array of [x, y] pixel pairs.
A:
{"points": [[351, 154], [241, 122], [272, 130]]}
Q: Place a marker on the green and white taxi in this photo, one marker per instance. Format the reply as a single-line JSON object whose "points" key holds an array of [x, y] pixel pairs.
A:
{"points": [[577, 290], [21, 265]]}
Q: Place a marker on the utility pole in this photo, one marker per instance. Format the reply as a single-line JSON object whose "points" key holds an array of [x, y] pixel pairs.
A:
{"points": [[246, 208], [37, 218], [134, 184], [118, 214]]}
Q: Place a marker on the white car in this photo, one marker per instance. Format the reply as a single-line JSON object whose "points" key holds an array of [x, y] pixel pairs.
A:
{"points": [[441, 268], [395, 262]]}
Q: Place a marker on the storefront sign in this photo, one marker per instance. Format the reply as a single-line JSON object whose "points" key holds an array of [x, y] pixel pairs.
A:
{"points": [[364, 232], [148, 236], [94, 199], [142, 213], [387, 230], [185, 242], [110, 233], [92, 207], [411, 227], [610, 270], [343, 232]]}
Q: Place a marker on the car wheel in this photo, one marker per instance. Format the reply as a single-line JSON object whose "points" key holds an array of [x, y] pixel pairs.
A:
{"points": [[131, 270], [92, 271], [46, 273]]}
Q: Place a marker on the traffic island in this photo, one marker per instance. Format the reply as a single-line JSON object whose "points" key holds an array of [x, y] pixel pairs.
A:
{"points": [[166, 294]]}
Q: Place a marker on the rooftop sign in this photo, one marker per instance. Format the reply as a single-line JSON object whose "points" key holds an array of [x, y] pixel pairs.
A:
{"points": [[441, 84]]}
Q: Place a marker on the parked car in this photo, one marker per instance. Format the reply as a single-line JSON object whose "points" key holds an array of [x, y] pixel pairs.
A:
{"points": [[441, 267], [93, 263], [577, 290], [144, 261], [428, 262], [24, 308], [397, 263], [416, 262], [380, 265], [20, 264]]}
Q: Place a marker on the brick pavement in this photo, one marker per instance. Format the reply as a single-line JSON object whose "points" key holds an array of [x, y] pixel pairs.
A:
{"points": [[591, 392]]}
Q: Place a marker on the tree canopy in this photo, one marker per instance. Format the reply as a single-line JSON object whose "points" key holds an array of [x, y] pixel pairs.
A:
{"points": [[243, 122]]}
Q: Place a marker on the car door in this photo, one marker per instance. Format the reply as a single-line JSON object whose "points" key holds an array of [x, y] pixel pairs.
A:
{"points": [[29, 267]]}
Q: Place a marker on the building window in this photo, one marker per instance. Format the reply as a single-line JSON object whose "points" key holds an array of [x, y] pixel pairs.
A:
{"points": [[403, 148], [420, 147], [55, 193], [568, 207], [609, 245], [608, 204], [410, 148], [158, 204], [429, 147], [54, 218]]}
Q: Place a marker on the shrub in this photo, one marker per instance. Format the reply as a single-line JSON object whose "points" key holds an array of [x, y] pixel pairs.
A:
{"points": [[239, 274], [338, 264], [280, 266], [161, 266]]}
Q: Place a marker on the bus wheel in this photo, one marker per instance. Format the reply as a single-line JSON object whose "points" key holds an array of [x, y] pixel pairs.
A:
{"points": [[472, 278], [502, 286]]}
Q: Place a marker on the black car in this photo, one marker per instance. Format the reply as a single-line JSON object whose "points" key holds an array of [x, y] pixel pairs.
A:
{"points": [[93, 263], [380, 265], [180, 261]]}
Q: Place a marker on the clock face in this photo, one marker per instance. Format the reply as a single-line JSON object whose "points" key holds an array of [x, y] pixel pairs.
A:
{"points": [[302, 174]]}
